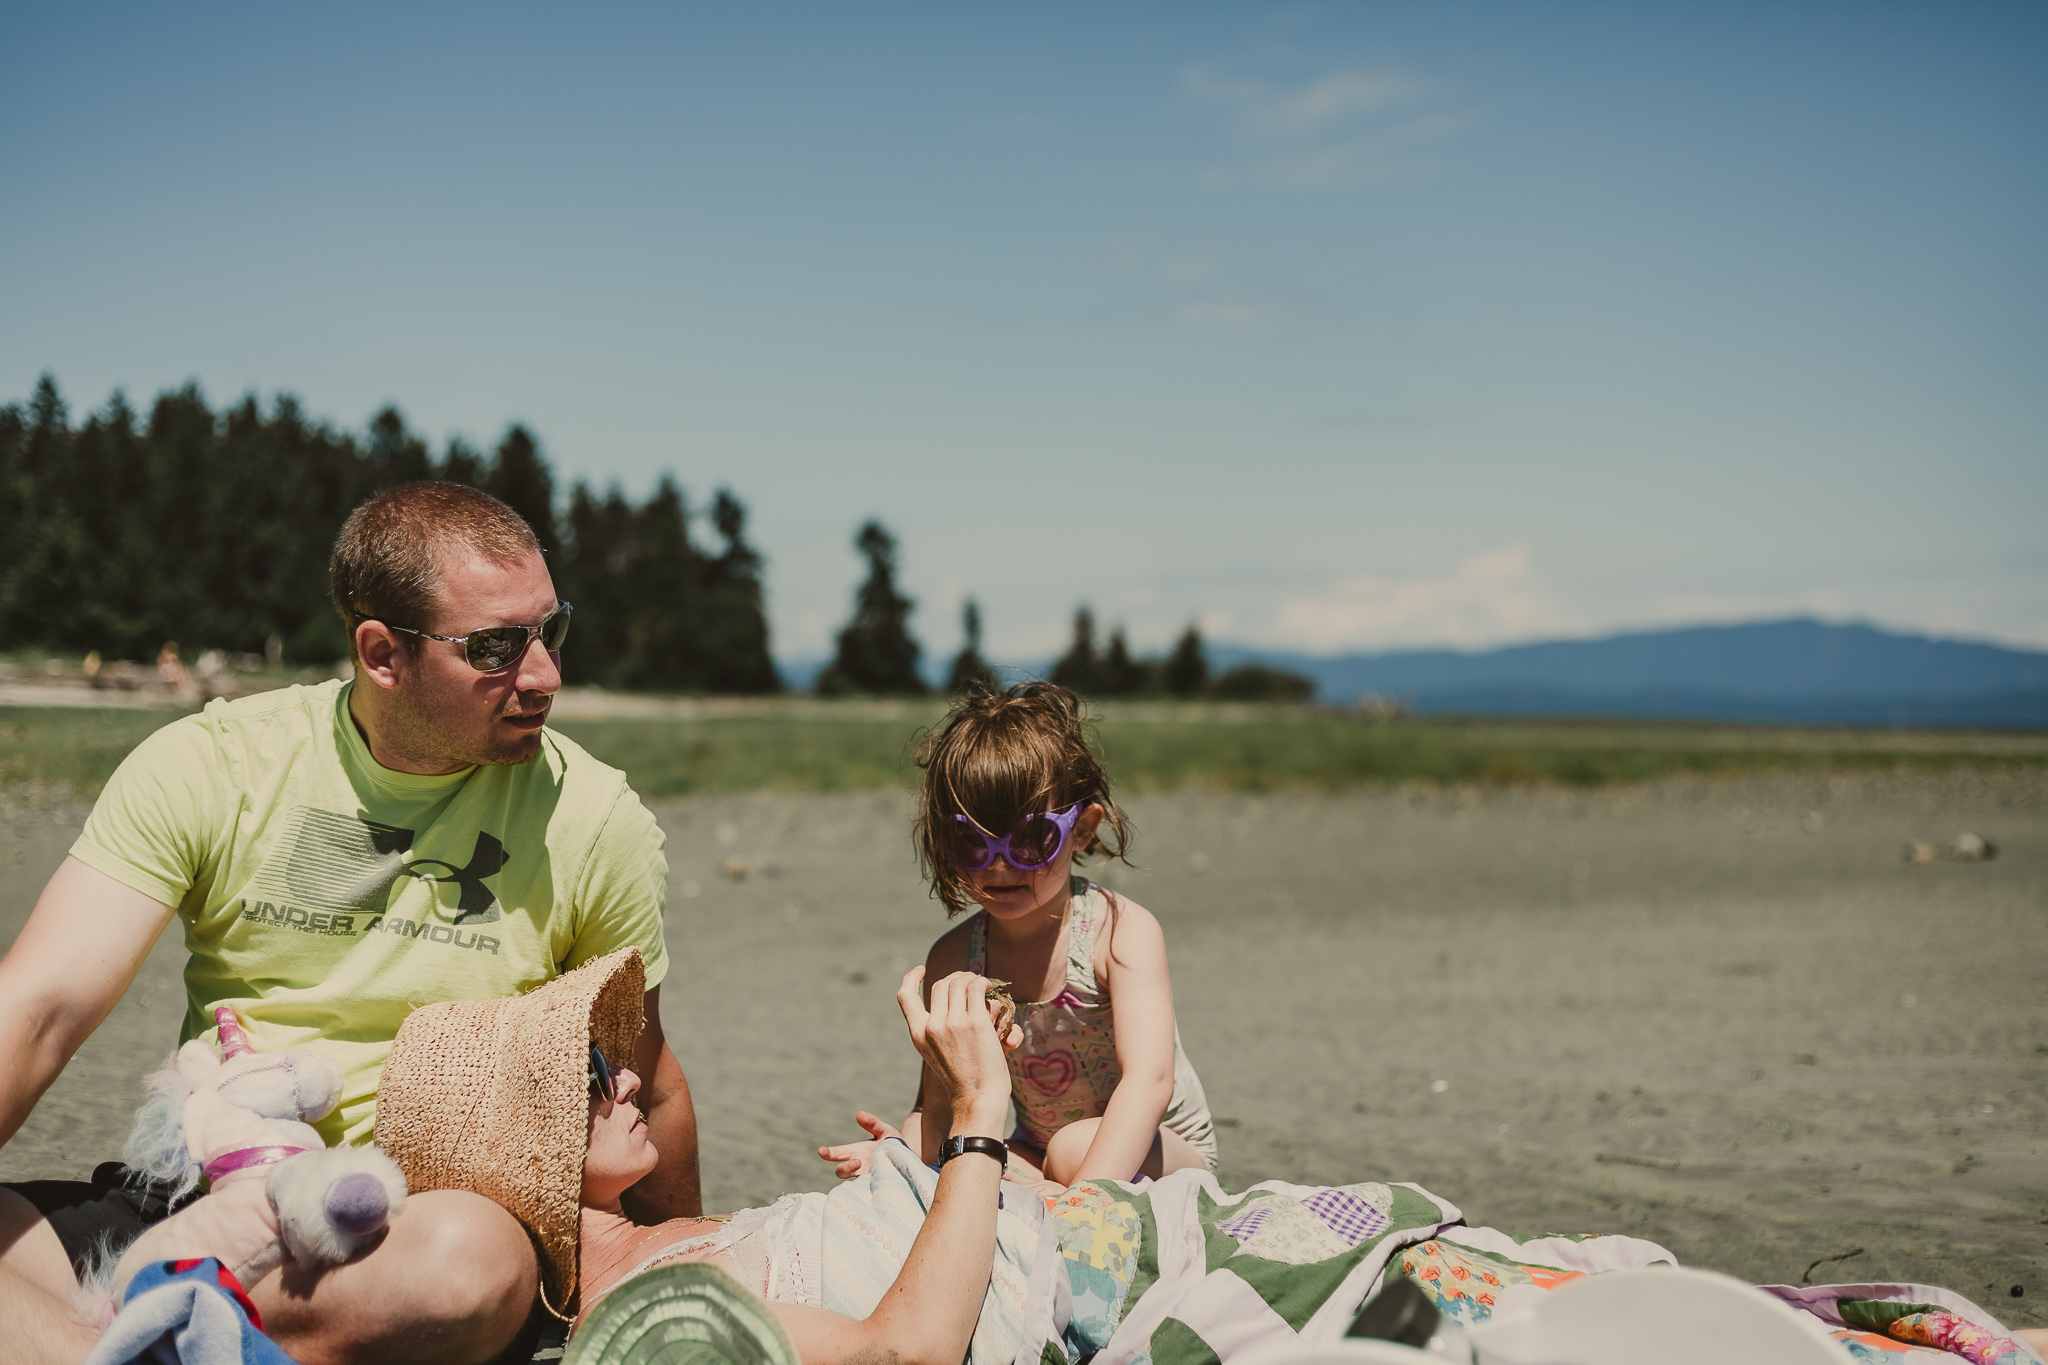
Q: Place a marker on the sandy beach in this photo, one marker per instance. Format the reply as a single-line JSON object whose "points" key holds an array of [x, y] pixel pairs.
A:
{"points": [[1723, 1015]]}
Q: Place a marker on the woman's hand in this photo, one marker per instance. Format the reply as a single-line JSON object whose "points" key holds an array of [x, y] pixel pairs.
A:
{"points": [[957, 1039], [853, 1157]]}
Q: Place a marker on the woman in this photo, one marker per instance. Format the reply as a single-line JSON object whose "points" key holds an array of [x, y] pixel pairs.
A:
{"points": [[517, 1100]]}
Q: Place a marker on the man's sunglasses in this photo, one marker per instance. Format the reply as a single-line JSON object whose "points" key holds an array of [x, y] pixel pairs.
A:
{"points": [[1038, 841], [495, 647], [604, 1082]]}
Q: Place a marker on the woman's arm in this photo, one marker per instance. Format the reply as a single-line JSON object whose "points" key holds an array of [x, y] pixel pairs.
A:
{"points": [[1142, 995], [927, 1316], [934, 1105]]}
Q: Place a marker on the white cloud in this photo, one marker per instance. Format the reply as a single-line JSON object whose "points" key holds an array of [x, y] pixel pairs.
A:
{"points": [[1344, 128], [1268, 111], [1488, 599], [1196, 287]]}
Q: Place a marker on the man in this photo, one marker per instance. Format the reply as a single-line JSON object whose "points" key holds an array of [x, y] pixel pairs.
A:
{"points": [[338, 855]]}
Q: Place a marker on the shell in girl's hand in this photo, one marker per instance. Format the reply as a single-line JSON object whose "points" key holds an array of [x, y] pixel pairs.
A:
{"points": [[1006, 1008]]}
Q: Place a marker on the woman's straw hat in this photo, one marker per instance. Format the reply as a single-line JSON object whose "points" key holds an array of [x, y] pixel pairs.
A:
{"points": [[493, 1096]]}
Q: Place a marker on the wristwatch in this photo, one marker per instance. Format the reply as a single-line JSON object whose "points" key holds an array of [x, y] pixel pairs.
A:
{"points": [[987, 1146]]}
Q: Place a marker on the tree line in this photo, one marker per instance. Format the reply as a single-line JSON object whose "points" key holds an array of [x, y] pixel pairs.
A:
{"points": [[214, 527], [877, 654]]}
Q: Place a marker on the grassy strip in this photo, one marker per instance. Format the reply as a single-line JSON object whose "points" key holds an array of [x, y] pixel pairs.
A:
{"points": [[823, 747], [1278, 748], [72, 747]]}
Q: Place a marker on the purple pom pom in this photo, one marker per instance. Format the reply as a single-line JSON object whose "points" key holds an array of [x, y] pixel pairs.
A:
{"points": [[357, 1204]]}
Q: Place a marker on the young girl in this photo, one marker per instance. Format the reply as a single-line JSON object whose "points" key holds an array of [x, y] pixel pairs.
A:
{"points": [[1012, 799]]}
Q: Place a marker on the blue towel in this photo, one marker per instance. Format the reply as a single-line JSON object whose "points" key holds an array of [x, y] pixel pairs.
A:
{"points": [[185, 1313]]}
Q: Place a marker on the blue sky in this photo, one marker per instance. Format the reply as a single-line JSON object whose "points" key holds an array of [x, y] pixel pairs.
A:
{"points": [[1334, 326]]}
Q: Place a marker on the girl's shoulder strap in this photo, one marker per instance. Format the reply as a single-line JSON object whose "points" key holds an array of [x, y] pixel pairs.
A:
{"points": [[1085, 914], [977, 943]]}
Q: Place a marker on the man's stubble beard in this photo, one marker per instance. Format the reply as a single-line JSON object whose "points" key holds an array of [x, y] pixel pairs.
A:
{"points": [[427, 726]]}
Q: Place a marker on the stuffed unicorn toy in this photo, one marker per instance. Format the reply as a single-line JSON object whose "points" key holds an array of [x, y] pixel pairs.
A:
{"points": [[239, 1118]]}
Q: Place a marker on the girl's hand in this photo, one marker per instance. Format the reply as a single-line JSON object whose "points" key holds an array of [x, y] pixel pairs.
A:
{"points": [[853, 1157], [957, 1039]]}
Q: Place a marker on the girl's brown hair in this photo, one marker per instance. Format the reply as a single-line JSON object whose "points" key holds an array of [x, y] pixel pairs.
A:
{"points": [[998, 757]]}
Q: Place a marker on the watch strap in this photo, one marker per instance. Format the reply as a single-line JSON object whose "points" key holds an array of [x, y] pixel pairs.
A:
{"points": [[987, 1146]]}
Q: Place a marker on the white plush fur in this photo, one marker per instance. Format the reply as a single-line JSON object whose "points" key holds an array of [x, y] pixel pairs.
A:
{"points": [[201, 1107], [156, 1145], [298, 1190], [92, 1302]]}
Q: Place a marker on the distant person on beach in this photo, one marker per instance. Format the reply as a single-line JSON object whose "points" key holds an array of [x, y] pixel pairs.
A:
{"points": [[338, 855], [1012, 798]]}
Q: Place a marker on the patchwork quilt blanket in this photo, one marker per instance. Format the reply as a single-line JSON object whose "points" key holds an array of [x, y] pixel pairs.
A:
{"points": [[1182, 1272]]}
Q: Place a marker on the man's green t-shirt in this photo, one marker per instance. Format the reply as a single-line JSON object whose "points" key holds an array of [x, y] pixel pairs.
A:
{"points": [[325, 896]]}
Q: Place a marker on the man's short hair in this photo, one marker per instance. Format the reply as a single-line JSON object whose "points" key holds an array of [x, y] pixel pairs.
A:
{"points": [[387, 559]]}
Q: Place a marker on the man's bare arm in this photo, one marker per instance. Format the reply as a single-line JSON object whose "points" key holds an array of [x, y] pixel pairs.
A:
{"points": [[82, 945], [673, 1189]]}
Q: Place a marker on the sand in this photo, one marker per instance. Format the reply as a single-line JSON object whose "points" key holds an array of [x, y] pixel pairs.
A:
{"points": [[1785, 1042]]}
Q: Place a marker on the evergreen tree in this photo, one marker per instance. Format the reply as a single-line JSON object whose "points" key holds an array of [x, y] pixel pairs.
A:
{"points": [[876, 652], [1257, 682], [15, 490], [1187, 668], [596, 574], [213, 529], [734, 622], [396, 455], [971, 672], [519, 478], [461, 464], [1122, 675], [46, 593], [1080, 668], [662, 636], [326, 476]]}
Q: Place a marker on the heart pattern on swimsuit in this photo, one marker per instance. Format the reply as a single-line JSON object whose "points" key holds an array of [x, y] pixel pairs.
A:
{"points": [[1051, 1073]]}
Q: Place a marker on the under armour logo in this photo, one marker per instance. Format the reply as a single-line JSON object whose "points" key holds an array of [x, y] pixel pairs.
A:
{"points": [[475, 904]]}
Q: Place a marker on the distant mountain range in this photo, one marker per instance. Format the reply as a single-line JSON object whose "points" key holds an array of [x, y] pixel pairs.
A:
{"points": [[1791, 672], [1797, 671]]}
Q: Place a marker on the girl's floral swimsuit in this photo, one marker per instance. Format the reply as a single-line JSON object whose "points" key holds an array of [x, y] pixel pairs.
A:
{"points": [[1067, 1067]]}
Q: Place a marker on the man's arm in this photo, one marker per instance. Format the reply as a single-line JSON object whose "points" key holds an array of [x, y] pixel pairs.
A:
{"points": [[82, 945], [672, 1189]]}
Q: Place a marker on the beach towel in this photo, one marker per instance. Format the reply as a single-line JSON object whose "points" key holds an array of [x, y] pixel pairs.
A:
{"points": [[1905, 1324], [186, 1313], [1475, 1274], [866, 1228], [1180, 1271]]}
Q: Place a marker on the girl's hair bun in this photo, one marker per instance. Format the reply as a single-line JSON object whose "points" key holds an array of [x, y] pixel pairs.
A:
{"points": [[1000, 756]]}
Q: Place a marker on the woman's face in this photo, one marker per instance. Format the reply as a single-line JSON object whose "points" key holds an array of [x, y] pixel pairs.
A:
{"points": [[619, 1152]]}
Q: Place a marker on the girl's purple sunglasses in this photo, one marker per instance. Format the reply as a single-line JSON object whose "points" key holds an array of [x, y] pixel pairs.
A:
{"points": [[1038, 841]]}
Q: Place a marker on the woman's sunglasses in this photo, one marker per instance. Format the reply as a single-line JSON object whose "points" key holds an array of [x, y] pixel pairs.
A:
{"points": [[604, 1082], [1038, 841], [494, 647]]}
